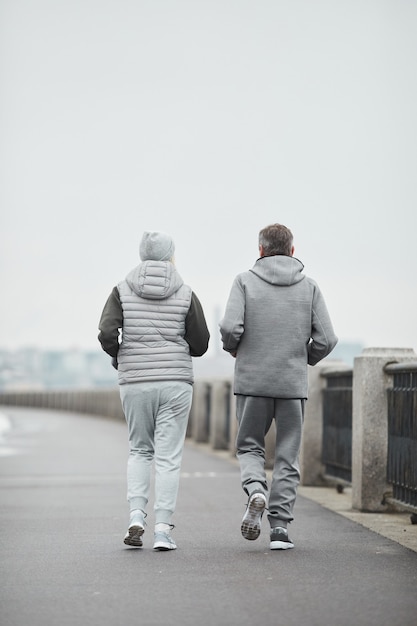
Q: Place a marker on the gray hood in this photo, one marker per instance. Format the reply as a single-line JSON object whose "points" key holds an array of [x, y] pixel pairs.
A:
{"points": [[279, 270], [154, 280]]}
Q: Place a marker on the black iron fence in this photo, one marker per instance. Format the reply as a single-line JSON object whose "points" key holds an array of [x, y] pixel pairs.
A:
{"points": [[337, 425], [402, 433]]}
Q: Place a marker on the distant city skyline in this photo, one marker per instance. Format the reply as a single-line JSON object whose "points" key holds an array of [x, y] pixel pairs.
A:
{"points": [[34, 368]]}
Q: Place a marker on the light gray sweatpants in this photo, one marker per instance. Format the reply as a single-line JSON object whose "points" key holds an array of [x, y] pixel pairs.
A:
{"points": [[156, 414], [255, 415]]}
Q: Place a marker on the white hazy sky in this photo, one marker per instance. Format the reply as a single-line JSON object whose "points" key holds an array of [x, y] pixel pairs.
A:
{"points": [[207, 119]]}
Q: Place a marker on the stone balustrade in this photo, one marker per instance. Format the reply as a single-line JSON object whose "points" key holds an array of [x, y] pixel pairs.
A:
{"points": [[212, 419]]}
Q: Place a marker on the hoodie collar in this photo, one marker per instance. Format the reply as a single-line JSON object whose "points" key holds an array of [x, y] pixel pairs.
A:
{"points": [[279, 270]]}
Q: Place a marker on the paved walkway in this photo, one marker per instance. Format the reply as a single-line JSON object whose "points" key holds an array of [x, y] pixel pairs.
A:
{"points": [[63, 516]]}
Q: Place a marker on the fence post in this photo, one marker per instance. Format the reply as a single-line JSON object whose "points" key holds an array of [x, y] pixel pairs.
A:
{"points": [[233, 421], [200, 411], [370, 425], [220, 414]]}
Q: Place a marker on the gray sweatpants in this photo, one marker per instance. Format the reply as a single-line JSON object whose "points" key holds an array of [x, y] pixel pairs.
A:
{"points": [[255, 415], [156, 415]]}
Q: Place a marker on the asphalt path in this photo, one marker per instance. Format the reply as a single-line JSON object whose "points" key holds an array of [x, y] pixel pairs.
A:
{"points": [[63, 516]]}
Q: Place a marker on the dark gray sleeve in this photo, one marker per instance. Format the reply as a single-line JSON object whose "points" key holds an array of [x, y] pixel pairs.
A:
{"points": [[196, 332], [111, 322]]}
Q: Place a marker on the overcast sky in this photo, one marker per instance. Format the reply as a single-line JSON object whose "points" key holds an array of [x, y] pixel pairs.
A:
{"points": [[207, 119]]}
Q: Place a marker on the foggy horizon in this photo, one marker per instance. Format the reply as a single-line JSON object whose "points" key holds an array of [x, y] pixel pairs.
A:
{"points": [[208, 121]]}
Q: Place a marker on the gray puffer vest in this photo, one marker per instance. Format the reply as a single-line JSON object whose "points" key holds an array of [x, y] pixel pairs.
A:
{"points": [[155, 303]]}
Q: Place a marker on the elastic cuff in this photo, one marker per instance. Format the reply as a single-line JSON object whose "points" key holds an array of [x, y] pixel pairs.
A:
{"points": [[277, 523], [163, 516], [138, 503]]}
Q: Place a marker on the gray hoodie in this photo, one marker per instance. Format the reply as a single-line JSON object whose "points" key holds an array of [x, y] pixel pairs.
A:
{"points": [[277, 322]]}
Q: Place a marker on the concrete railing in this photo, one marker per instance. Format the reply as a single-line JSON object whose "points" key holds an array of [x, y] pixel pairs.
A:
{"points": [[213, 421], [102, 402], [371, 380]]}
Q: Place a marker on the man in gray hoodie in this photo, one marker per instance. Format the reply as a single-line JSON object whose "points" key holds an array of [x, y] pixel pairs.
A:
{"points": [[151, 326], [275, 324]]}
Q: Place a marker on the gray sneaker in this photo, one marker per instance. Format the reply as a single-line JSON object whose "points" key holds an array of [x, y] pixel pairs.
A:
{"points": [[135, 531], [163, 541], [251, 522], [279, 539]]}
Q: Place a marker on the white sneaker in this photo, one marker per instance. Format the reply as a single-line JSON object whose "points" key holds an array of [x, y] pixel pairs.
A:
{"points": [[251, 522], [162, 538], [136, 529]]}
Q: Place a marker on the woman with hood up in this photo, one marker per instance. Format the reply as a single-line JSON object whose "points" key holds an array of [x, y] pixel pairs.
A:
{"points": [[151, 326]]}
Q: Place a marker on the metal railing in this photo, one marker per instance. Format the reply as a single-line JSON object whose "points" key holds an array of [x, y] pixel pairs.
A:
{"points": [[402, 433], [337, 425]]}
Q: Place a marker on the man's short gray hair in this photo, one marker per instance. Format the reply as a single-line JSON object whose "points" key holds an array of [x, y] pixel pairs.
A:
{"points": [[276, 239]]}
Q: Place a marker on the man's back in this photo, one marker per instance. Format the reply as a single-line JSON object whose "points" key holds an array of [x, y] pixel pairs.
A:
{"points": [[275, 324], [277, 318]]}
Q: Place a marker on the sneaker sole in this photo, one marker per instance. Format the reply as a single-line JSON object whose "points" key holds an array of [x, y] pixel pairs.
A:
{"points": [[281, 545], [251, 523], [134, 536], [164, 547]]}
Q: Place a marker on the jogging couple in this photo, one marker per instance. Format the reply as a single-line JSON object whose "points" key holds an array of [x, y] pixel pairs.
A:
{"points": [[275, 324]]}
